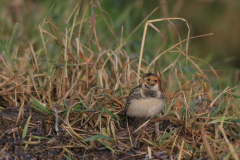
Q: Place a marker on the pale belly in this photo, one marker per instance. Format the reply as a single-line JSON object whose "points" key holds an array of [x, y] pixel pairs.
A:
{"points": [[144, 108]]}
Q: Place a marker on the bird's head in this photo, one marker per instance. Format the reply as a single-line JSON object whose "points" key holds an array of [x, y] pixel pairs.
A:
{"points": [[151, 81]]}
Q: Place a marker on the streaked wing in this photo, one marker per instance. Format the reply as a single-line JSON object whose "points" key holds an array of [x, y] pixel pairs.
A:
{"points": [[134, 94]]}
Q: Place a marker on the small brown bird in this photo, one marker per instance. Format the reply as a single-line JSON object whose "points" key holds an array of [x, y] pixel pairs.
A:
{"points": [[146, 100]]}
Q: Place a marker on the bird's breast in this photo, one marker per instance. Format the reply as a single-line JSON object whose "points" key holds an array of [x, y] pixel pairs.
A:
{"points": [[144, 108]]}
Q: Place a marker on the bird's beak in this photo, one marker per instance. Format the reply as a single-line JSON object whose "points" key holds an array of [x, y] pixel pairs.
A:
{"points": [[141, 80]]}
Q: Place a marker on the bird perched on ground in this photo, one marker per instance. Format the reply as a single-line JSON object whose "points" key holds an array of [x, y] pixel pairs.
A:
{"points": [[147, 99]]}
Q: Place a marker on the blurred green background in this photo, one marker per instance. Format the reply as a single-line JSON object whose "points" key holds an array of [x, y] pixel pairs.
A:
{"points": [[220, 17]]}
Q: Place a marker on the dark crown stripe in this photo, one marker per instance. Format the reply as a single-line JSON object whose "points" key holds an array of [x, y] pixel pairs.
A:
{"points": [[148, 74]]}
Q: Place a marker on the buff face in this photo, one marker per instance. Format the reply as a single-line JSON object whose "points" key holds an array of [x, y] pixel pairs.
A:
{"points": [[150, 82]]}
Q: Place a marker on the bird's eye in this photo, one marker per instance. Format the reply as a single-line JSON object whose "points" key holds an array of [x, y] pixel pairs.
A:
{"points": [[148, 79], [155, 81]]}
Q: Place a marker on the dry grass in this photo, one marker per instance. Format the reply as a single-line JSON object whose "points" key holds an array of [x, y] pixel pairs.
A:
{"points": [[79, 97]]}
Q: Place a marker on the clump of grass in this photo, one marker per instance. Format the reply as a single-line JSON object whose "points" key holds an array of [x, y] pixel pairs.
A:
{"points": [[78, 92]]}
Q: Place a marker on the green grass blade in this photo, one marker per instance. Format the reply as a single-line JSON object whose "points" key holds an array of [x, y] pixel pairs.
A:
{"points": [[230, 131], [13, 33], [73, 25], [26, 145], [67, 157], [225, 118], [235, 120], [38, 137], [8, 55], [97, 137], [214, 114], [234, 95], [85, 106], [50, 10], [188, 146], [106, 145], [164, 136], [61, 29], [108, 112], [26, 127], [150, 142], [40, 106]]}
